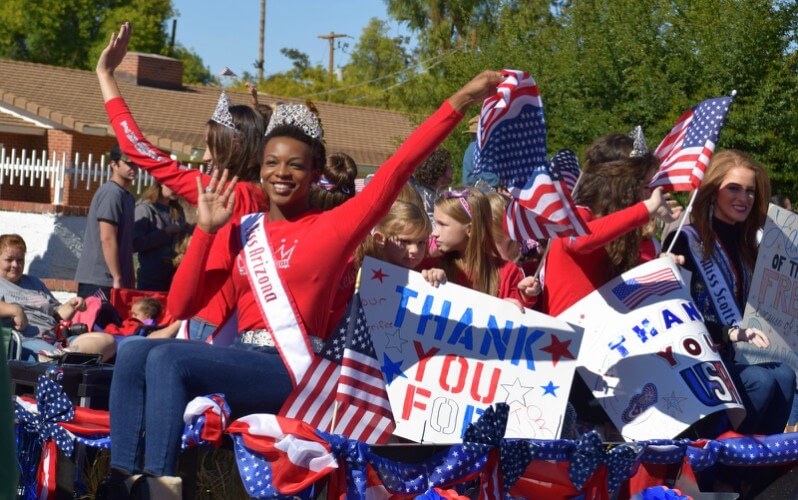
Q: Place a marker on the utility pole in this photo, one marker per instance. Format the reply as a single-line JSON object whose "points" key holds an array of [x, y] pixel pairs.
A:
{"points": [[331, 68], [260, 61]]}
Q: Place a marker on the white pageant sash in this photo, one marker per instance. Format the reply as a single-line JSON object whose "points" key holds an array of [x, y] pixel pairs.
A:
{"points": [[276, 306], [717, 286]]}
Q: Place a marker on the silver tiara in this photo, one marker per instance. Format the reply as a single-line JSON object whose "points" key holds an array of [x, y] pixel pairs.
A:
{"points": [[640, 148], [297, 115], [221, 114]]}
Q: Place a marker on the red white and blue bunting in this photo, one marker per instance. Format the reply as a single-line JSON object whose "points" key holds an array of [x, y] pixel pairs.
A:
{"points": [[279, 457]]}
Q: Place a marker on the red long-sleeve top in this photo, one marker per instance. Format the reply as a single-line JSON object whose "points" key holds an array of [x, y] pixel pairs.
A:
{"points": [[320, 243], [577, 266], [509, 277], [249, 198]]}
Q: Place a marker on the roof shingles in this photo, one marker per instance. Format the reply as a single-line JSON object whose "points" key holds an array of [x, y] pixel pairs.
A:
{"points": [[175, 119]]}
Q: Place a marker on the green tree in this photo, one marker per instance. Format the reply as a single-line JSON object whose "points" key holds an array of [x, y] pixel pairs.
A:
{"points": [[608, 65], [72, 33]]}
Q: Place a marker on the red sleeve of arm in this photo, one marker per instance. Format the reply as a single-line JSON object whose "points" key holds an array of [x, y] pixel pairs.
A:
{"points": [[156, 162], [509, 277], [370, 205], [608, 228], [201, 273]]}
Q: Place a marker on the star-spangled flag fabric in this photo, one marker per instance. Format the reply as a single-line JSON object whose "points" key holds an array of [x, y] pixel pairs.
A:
{"points": [[685, 152], [511, 133], [545, 208], [634, 291], [567, 163], [364, 412], [278, 456], [511, 143]]}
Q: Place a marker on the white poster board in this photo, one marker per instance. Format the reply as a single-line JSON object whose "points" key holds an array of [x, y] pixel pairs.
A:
{"points": [[448, 353], [773, 297], [647, 355]]}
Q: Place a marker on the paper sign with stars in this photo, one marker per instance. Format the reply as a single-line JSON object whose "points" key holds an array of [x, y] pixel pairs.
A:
{"points": [[654, 368], [772, 303], [448, 353]]}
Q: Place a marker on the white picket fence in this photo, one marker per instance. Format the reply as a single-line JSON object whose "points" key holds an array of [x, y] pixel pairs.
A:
{"points": [[40, 168]]}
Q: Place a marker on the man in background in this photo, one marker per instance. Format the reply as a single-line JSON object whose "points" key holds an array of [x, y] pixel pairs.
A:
{"points": [[107, 258]]}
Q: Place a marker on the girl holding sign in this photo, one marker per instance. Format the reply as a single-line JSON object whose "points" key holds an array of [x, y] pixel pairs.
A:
{"points": [[720, 245], [463, 224]]}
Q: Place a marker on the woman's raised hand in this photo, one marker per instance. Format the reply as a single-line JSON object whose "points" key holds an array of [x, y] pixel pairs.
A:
{"points": [[115, 51], [660, 206], [215, 203], [477, 90]]}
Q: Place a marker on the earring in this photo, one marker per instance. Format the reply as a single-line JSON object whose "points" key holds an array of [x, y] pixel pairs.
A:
{"points": [[711, 211]]}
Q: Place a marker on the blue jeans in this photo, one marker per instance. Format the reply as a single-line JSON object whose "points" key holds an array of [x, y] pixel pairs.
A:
{"points": [[767, 390], [31, 347], [155, 379], [200, 330]]}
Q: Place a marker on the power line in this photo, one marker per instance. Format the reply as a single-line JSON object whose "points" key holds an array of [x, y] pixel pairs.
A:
{"points": [[420, 63]]}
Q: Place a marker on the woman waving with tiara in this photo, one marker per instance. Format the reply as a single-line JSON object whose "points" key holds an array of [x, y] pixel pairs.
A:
{"points": [[233, 140], [285, 264]]}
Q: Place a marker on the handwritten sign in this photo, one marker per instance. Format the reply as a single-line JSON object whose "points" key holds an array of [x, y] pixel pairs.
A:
{"points": [[446, 354], [647, 355], [773, 297]]}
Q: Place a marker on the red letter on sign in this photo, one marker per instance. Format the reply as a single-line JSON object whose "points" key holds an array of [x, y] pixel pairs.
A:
{"points": [[410, 400], [423, 357]]}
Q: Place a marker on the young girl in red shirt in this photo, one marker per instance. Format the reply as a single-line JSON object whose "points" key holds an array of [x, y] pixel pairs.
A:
{"points": [[469, 257]]}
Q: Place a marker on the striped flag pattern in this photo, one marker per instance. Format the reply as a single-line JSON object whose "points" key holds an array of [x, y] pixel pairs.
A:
{"points": [[633, 292], [364, 412], [545, 208], [511, 143], [511, 133], [685, 152], [346, 371]]}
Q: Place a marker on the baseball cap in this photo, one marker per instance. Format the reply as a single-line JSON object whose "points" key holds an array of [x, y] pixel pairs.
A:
{"points": [[117, 154]]}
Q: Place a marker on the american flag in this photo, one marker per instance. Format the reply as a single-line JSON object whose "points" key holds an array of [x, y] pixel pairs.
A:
{"points": [[567, 163], [278, 457], [364, 412], [511, 134], [346, 370], [545, 209], [634, 291], [685, 152]]}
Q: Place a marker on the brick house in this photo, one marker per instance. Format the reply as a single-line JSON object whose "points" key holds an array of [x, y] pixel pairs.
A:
{"points": [[59, 112]]}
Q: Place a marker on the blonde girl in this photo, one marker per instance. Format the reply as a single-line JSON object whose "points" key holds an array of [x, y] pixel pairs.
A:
{"points": [[464, 237], [400, 238]]}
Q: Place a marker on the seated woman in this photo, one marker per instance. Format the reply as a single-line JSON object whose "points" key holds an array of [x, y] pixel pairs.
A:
{"points": [[29, 306], [721, 240], [614, 200], [154, 380]]}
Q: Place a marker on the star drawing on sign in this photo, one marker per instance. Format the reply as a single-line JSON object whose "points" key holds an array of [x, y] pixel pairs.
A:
{"points": [[395, 340], [673, 402], [391, 368], [550, 388], [558, 349], [377, 274], [516, 392]]}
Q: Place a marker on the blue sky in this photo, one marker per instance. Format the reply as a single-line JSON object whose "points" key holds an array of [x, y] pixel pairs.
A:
{"points": [[226, 33]]}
